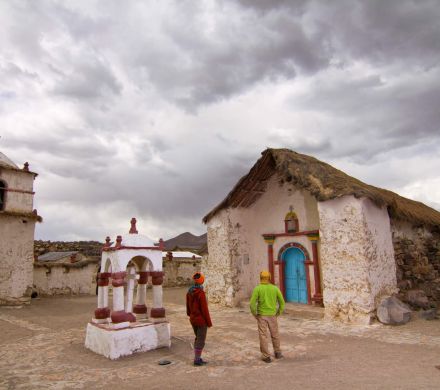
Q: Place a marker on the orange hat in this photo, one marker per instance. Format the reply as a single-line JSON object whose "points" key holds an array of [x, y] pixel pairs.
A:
{"points": [[198, 278]]}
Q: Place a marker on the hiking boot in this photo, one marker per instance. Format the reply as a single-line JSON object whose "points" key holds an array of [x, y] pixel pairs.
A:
{"points": [[278, 355], [200, 362], [267, 359]]}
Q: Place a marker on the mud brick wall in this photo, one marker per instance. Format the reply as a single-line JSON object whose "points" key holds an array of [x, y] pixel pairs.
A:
{"points": [[418, 264]]}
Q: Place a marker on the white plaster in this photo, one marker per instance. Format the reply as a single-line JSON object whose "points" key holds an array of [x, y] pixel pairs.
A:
{"points": [[131, 276], [124, 342], [118, 298], [100, 297], [141, 294], [357, 258], [157, 296], [105, 296]]}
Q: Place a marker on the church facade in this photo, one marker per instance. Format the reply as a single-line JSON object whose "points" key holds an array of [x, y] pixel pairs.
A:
{"points": [[327, 238]]}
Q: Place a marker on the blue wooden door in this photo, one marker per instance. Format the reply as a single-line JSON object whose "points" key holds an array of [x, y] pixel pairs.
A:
{"points": [[295, 283]]}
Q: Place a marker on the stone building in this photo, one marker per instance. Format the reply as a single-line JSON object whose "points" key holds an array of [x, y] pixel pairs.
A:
{"points": [[327, 238], [65, 273], [17, 226], [179, 267]]}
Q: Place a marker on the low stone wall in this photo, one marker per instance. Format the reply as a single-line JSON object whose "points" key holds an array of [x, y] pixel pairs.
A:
{"points": [[87, 248], [417, 253], [179, 271], [66, 278]]}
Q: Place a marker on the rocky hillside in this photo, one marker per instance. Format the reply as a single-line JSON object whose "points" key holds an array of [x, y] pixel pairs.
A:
{"points": [[186, 241]]}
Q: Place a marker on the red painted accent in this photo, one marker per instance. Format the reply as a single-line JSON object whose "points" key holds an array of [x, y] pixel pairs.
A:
{"points": [[304, 233], [102, 282], [281, 266], [19, 191], [161, 244], [309, 293], [102, 313], [118, 279], [105, 274], [120, 316], [317, 297], [118, 241], [293, 245], [157, 312], [157, 278], [143, 277], [133, 229], [139, 309], [281, 278], [270, 261], [131, 317]]}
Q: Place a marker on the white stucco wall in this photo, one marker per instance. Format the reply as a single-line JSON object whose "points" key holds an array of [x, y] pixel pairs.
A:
{"points": [[61, 279], [357, 258], [237, 251], [16, 257], [17, 201]]}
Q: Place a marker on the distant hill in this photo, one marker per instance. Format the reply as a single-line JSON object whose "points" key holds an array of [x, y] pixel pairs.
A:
{"points": [[187, 241]]}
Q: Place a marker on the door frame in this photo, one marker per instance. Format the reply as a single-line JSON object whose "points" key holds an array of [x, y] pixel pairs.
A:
{"points": [[281, 267]]}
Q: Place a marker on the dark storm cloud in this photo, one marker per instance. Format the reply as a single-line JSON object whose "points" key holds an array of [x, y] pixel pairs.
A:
{"points": [[138, 107]]}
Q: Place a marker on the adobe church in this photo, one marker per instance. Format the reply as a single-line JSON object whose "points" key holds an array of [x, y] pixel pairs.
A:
{"points": [[17, 226], [327, 238]]}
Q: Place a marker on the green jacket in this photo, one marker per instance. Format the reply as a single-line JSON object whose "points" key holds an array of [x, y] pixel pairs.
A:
{"points": [[267, 300]]}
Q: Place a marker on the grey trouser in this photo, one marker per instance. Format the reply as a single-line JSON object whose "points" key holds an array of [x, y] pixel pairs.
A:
{"points": [[200, 333]]}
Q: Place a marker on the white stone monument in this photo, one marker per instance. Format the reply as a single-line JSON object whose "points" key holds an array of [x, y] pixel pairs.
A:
{"points": [[130, 326]]}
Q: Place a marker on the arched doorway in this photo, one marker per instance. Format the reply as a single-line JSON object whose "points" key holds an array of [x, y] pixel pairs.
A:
{"points": [[295, 281]]}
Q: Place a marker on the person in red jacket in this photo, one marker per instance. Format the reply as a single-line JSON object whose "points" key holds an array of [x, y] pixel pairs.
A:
{"points": [[198, 312]]}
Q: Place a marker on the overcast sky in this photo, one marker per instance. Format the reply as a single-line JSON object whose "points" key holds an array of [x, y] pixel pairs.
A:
{"points": [[155, 109]]}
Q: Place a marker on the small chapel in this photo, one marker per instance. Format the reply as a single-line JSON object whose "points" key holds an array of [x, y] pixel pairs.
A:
{"points": [[17, 227], [327, 239]]}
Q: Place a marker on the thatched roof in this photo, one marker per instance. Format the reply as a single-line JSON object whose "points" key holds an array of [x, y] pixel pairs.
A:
{"points": [[323, 182]]}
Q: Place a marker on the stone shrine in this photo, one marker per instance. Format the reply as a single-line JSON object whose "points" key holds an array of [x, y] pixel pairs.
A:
{"points": [[130, 326]]}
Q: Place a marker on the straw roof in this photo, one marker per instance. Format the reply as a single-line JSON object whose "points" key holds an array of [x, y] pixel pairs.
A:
{"points": [[324, 182]]}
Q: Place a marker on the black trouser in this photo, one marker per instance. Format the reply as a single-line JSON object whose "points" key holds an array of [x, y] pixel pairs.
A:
{"points": [[200, 333]]}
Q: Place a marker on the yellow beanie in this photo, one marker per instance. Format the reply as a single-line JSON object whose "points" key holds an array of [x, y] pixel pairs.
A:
{"points": [[264, 276]]}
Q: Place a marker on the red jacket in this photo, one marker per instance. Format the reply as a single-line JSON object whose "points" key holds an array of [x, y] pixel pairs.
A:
{"points": [[197, 308]]}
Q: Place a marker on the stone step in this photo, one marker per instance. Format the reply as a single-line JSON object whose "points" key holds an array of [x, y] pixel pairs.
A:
{"points": [[295, 310]]}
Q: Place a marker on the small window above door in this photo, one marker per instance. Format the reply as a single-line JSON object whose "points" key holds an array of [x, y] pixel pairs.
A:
{"points": [[291, 224]]}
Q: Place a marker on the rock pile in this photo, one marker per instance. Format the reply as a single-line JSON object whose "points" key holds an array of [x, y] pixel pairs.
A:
{"points": [[418, 271], [87, 248]]}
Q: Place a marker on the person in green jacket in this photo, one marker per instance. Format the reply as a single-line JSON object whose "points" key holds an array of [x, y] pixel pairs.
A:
{"points": [[267, 303]]}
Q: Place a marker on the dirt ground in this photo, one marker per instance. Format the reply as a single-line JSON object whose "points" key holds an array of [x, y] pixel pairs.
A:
{"points": [[42, 347]]}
